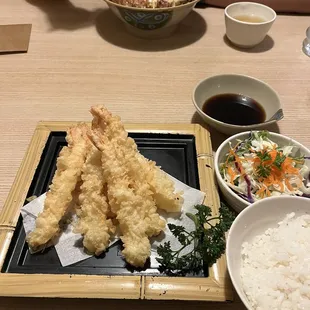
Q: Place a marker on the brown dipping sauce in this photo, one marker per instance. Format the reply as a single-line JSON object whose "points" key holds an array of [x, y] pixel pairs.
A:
{"points": [[235, 109]]}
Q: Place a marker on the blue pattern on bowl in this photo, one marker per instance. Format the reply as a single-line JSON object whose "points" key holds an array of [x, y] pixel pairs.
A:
{"points": [[145, 20]]}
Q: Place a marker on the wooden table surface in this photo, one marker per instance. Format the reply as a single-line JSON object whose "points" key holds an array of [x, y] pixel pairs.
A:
{"points": [[80, 55]]}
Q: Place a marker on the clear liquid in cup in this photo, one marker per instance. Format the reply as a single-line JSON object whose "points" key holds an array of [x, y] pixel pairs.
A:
{"points": [[250, 19]]}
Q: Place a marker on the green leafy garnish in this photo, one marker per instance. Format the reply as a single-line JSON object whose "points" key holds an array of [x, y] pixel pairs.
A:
{"points": [[207, 240], [263, 156], [222, 169], [263, 134], [298, 159], [244, 146], [263, 171], [278, 161], [230, 159], [236, 181]]}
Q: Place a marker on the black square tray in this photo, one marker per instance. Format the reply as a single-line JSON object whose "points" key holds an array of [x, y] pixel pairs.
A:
{"points": [[175, 153]]}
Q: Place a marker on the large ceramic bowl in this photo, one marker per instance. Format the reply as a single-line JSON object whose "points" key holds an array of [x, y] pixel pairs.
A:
{"points": [[230, 196], [254, 221], [151, 23], [237, 84]]}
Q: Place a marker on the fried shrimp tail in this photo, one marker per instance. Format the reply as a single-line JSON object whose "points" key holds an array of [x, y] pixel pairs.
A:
{"points": [[92, 212], [129, 193], [58, 198], [162, 186], [102, 176]]}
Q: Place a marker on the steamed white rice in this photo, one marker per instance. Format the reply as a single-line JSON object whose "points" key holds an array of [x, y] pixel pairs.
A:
{"points": [[275, 267]]}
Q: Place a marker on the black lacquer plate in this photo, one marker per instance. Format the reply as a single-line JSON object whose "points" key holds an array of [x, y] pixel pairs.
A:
{"points": [[175, 153]]}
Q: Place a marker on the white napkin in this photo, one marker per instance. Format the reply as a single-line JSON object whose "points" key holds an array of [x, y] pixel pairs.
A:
{"points": [[69, 246]]}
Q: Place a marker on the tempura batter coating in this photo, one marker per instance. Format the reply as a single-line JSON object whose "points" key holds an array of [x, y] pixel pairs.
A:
{"points": [[161, 185], [59, 196], [130, 195], [92, 212], [131, 200]]}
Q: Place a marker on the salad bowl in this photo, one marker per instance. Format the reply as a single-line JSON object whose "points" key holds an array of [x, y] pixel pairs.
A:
{"points": [[242, 188]]}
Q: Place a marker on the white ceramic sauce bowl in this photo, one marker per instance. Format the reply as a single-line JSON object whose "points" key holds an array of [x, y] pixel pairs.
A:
{"points": [[230, 196], [236, 84], [248, 34], [254, 221]]}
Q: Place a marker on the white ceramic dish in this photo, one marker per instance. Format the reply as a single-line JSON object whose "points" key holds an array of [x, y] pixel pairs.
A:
{"points": [[232, 198], [253, 221], [237, 84], [248, 34], [151, 23]]}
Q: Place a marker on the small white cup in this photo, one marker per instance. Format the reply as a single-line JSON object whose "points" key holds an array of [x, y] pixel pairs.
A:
{"points": [[248, 34]]}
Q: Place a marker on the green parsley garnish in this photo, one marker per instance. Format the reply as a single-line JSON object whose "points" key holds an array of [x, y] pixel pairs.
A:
{"points": [[263, 171], [208, 241], [279, 160], [263, 156]]}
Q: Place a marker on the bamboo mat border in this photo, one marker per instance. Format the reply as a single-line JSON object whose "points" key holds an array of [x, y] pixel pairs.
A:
{"points": [[216, 287]]}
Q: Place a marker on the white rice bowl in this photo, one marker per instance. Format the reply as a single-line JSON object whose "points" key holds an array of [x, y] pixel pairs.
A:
{"points": [[268, 254], [275, 267]]}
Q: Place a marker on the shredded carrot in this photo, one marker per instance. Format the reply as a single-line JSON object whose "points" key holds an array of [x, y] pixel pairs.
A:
{"points": [[277, 175], [288, 185], [260, 192], [288, 166], [231, 173], [263, 191]]}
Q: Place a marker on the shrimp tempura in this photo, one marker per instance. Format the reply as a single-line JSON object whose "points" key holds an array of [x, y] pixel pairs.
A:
{"points": [[161, 185], [59, 196], [130, 195], [93, 223]]}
